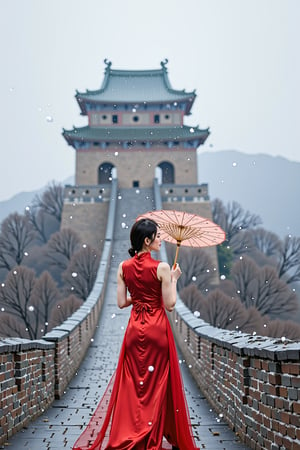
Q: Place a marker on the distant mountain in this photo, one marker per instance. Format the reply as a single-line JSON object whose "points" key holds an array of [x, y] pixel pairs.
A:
{"points": [[264, 185], [19, 201]]}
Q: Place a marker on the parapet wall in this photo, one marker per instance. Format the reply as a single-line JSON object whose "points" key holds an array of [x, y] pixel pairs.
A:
{"points": [[252, 382], [26, 380], [34, 373]]}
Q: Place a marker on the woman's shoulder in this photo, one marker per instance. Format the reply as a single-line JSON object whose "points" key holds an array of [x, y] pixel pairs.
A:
{"points": [[124, 263], [163, 265], [127, 263], [163, 269]]}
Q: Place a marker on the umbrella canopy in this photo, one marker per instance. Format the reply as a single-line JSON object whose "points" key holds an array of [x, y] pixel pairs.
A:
{"points": [[182, 228]]}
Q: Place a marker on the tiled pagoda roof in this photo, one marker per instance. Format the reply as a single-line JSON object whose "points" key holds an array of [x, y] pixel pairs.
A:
{"points": [[135, 86], [137, 134]]}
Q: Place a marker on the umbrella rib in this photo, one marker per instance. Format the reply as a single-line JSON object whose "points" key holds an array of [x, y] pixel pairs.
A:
{"points": [[186, 228]]}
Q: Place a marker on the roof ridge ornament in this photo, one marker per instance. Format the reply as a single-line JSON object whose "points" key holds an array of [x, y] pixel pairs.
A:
{"points": [[107, 63], [164, 63]]}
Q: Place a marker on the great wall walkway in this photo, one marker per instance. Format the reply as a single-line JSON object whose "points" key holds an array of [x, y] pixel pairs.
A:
{"points": [[58, 427]]}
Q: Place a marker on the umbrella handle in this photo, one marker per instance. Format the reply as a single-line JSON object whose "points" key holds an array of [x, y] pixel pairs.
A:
{"points": [[176, 255]]}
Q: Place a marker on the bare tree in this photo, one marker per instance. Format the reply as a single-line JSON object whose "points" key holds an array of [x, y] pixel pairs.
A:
{"points": [[197, 266], [289, 260], [38, 220], [11, 326], [43, 298], [6, 261], [219, 212], [15, 296], [227, 286], [27, 302], [261, 288], [222, 311], [254, 323], [81, 273], [64, 309], [51, 201], [61, 247], [192, 297], [233, 218], [15, 239], [265, 241], [259, 244], [241, 243], [284, 329]]}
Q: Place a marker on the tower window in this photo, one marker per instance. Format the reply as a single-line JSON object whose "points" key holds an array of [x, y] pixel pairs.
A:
{"points": [[135, 118], [115, 118], [156, 118]]}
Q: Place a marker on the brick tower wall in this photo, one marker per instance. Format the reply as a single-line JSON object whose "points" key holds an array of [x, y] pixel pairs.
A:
{"points": [[136, 164], [88, 220], [85, 211]]}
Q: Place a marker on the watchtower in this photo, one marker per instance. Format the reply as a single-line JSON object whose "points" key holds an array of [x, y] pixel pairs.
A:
{"points": [[136, 125]]}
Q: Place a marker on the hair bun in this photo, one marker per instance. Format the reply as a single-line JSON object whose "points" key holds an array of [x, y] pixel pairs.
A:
{"points": [[131, 251]]}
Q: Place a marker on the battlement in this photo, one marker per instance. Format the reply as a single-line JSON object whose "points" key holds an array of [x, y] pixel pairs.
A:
{"points": [[87, 194], [184, 193]]}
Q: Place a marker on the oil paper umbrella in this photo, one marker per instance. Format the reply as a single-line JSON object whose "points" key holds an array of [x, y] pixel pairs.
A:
{"points": [[182, 228]]}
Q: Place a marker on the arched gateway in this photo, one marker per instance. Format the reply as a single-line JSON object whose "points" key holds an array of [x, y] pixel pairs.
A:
{"points": [[105, 173], [167, 172]]}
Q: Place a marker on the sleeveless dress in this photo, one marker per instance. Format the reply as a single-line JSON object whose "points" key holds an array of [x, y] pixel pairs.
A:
{"points": [[144, 406]]}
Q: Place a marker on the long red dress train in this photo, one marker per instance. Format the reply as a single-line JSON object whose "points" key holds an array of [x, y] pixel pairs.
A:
{"points": [[144, 401]]}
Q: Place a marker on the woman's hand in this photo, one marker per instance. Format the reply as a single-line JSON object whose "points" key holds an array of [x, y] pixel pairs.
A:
{"points": [[175, 272]]}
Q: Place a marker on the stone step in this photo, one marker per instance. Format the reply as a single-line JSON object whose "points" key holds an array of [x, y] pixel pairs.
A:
{"points": [[130, 204]]}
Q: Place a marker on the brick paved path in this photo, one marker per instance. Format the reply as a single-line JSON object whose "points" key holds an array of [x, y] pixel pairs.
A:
{"points": [[59, 426]]}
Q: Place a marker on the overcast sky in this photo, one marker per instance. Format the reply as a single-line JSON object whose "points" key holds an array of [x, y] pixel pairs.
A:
{"points": [[241, 56]]}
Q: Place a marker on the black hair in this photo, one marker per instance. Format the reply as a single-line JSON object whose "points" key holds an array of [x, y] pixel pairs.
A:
{"points": [[140, 230]]}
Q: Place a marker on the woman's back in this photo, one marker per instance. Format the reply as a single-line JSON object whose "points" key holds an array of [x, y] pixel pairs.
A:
{"points": [[140, 276]]}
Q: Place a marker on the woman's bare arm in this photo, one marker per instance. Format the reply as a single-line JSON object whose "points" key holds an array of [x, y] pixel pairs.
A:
{"points": [[122, 299], [168, 280]]}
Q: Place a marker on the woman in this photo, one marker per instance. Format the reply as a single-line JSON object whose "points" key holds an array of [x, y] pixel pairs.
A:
{"points": [[145, 400]]}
